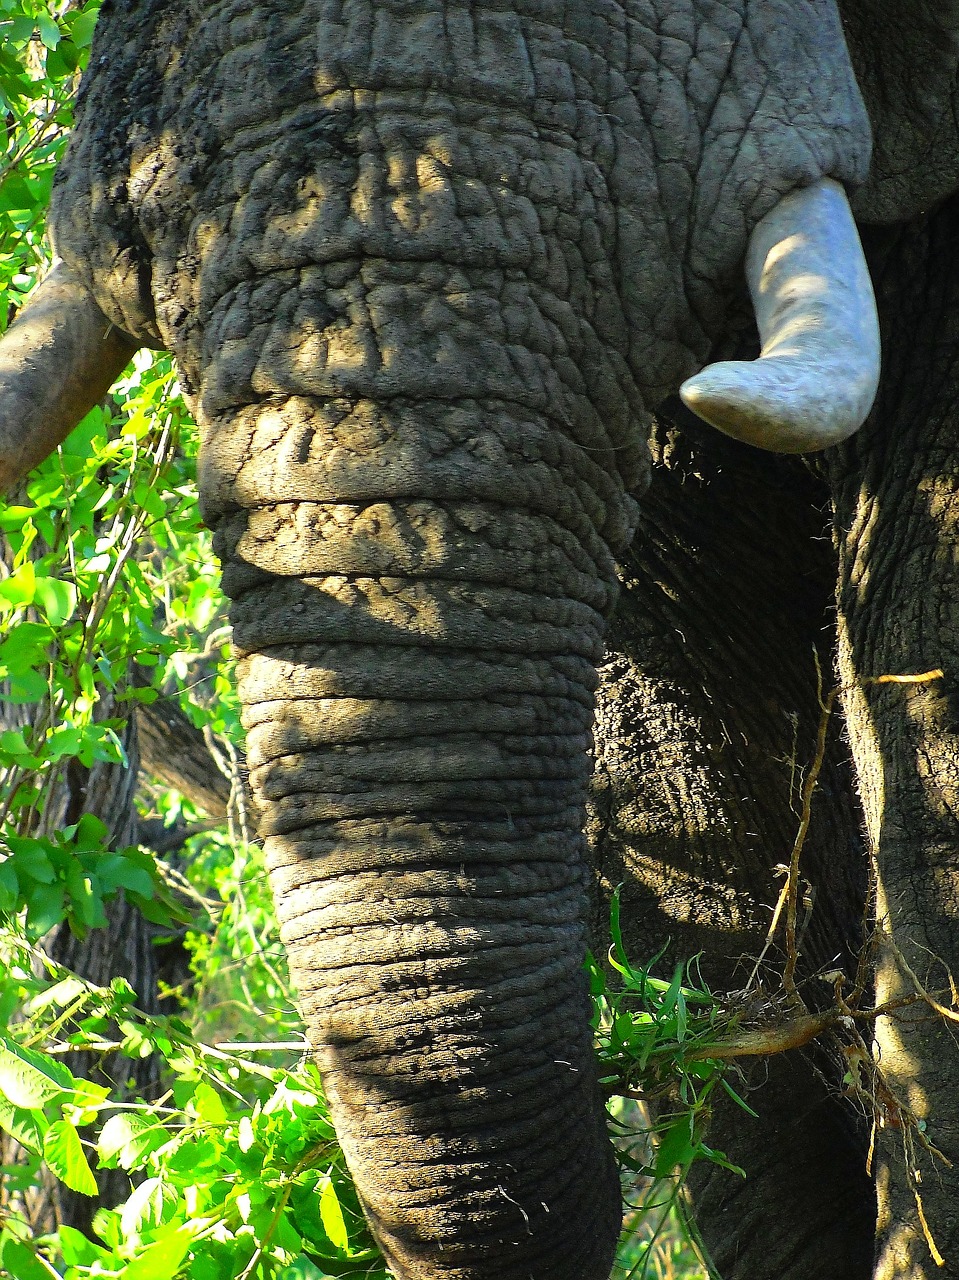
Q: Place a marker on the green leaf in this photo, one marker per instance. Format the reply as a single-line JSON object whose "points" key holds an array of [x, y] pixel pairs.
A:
{"points": [[63, 1152], [86, 902], [91, 832], [14, 517], [57, 599], [25, 686], [24, 1084], [21, 27], [127, 1139], [77, 1250], [60, 994], [20, 1260], [81, 28], [720, 1158], [331, 1216], [44, 910], [160, 913], [15, 195], [617, 951], [675, 1146], [118, 870], [671, 994], [20, 587], [49, 31], [161, 1260], [145, 1207], [209, 1105], [28, 642], [9, 887], [56, 1070], [31, 856], [740, 1102], [681, 1016], [13, 743], [25, 1125]]}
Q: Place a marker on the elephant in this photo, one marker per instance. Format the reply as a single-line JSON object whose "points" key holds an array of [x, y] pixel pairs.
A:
{"points": [[444, 286]]}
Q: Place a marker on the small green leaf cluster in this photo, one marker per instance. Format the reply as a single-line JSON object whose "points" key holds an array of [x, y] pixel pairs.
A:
{"points": [[42, 1105], [71, 875], [76, 605], [238, 961], [653, 1038], [43, 48], [238, 1172]]}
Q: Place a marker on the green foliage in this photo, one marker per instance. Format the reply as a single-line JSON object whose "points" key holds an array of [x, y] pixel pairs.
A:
{"points": [[71, 875], [653, 1039], [237, 958], [43, 48], [238, 1171], [78, 604], [654, 1036]]}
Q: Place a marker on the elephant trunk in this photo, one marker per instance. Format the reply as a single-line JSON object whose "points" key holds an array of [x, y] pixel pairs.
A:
{"points": [[417, 673]]}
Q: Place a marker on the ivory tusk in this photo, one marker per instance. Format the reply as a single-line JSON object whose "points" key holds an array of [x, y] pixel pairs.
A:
{"points": [[818, 371], [57, 360]]}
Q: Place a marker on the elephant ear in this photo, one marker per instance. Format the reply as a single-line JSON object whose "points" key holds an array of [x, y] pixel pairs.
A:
{"points": [[906, 57]]}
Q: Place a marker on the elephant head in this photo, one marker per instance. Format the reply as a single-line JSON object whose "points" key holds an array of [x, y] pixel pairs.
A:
{"points": [[426, 269]]}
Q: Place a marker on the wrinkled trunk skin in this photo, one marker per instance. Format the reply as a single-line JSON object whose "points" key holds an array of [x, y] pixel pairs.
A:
{"points": [[706, 725], [897, 530], [422, 774], [422, 268], [418, 585], [417, 676]]}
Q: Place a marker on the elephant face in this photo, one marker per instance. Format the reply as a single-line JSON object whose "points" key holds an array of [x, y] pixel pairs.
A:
{"points": [[582, 186], [425, 270]]}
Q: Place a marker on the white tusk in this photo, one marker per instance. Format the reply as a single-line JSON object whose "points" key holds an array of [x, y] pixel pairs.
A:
{"points": [[818, 371], [57, 360]]}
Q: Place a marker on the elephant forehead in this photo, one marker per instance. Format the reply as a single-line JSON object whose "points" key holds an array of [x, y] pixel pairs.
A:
{"points": [[617, 155], [382, 174]]}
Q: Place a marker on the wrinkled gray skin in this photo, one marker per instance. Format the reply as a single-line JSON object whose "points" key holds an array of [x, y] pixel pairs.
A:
{"points": [[427, 270]]}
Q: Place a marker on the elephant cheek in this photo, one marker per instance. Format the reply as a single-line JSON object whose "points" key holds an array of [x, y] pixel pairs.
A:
{"points": [[417, 678]]}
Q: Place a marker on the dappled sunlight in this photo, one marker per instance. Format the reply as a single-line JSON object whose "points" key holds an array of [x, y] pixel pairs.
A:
{"points": [[864, 738], [896, 1058], [903, 1250]]}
